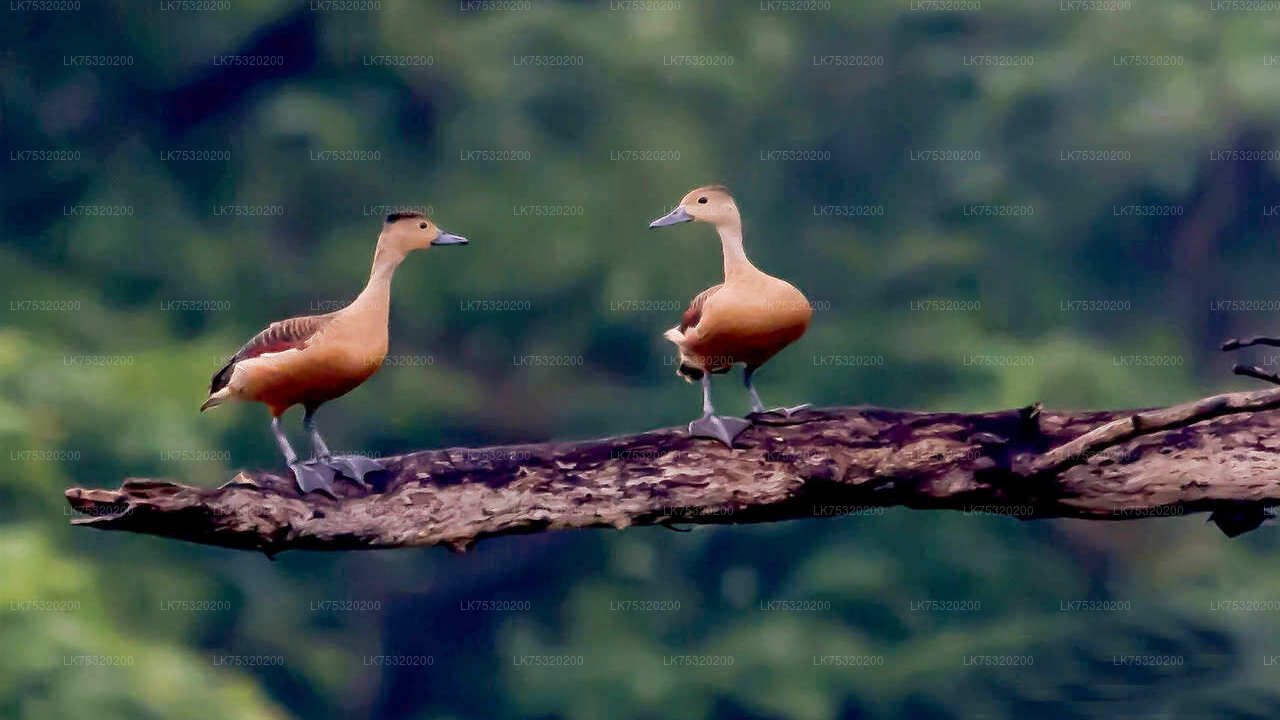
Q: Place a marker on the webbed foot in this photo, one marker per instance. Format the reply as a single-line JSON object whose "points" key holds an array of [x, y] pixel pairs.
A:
{"points": [[353, 466], [716, 427], [311, 475], [779, 415]]}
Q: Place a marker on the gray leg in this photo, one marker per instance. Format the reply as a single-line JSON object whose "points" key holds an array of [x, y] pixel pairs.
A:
{"points": [[282, 442], [352, 466], [319, 451], [757, 407], [710, 425], [308, 475]]}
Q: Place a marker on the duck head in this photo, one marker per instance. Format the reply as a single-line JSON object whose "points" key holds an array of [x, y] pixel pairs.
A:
{"points": [[408, 231], [710, 204]]}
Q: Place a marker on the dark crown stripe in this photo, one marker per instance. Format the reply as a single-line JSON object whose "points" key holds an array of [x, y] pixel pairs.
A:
{"points": [[402, 215]]}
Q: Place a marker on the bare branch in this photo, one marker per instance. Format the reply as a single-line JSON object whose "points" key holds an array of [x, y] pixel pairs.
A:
{"points": [[1256, 373], [1236, 344], [1216, 454]]}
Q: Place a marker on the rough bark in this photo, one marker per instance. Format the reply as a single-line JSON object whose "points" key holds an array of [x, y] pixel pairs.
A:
{"points": [[1219, 454]]}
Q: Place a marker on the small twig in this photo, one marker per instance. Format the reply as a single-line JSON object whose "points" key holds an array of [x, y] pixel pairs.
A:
{"points": [[1256, 372], [1081, 449], [1236, 344]]}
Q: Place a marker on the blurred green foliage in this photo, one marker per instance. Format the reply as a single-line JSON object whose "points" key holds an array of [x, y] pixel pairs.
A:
{"points": [[117, 318]]}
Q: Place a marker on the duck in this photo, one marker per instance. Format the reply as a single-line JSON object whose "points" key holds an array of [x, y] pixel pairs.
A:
{"points": [[745, 320], [312, 359]]}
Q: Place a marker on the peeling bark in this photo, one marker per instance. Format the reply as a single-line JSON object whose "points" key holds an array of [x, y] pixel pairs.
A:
{"points": [[1218, 454]]}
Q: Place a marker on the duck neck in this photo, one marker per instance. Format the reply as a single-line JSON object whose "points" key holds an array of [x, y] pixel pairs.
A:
{"points": [[736, 264], [376, 296]]}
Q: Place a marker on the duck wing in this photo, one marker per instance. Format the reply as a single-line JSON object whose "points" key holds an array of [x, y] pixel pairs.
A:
{"points": [[694, 313], [279, 336]]}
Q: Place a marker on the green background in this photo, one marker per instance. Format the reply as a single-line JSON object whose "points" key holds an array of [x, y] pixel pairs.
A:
{"points": [[116, 318]]}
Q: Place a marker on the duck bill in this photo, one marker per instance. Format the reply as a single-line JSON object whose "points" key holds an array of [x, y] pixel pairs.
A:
{"points": [[449, 239], [678, 215]]}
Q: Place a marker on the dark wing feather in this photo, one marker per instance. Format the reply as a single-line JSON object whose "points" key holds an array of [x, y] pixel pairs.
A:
{"points": [[279, 336], [694, 313]]}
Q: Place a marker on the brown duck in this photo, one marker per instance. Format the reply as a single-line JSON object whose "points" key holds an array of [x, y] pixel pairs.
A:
{"points": [[744, 320], [312, 359]]}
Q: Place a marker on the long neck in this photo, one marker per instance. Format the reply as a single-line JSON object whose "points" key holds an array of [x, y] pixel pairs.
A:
{"points": [[376, 296], [736, 264]]}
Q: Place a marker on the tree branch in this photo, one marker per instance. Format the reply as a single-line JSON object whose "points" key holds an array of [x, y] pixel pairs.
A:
{"points": [[1256, 373], [1218, 454]]}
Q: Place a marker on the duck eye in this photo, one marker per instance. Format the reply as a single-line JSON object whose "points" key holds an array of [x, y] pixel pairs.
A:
{"points": [[702, 201], [423, 226]]}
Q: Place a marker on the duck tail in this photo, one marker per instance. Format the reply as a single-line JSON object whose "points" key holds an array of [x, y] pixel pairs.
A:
{"points": [[688, 373]]}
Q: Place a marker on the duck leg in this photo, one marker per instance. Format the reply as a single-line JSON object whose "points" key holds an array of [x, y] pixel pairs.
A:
{"points": [[710, 425], [352, 466], [309, 475], [757, 407]]}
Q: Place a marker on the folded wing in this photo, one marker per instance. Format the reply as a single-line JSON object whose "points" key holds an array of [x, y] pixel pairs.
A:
{"points": [[694, 313], [279, 336]]}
